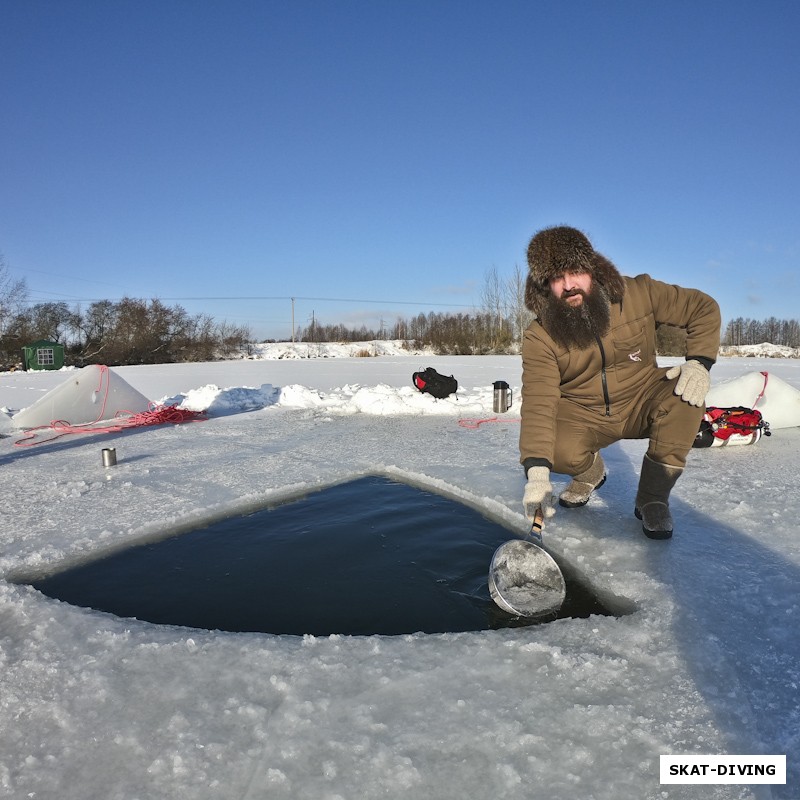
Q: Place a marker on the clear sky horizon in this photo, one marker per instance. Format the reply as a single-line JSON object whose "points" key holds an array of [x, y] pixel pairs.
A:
{"points": [[375, 160]]}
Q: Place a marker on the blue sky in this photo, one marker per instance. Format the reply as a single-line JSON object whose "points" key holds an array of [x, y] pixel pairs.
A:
{"points": [[389, 154]]}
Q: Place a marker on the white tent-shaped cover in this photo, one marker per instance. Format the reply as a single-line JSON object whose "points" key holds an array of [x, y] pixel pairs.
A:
{"points": [[92, 394], [778, 402]]}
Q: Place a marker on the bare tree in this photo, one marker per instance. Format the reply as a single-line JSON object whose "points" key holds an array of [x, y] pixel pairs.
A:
{"points": [[493, 303], [49, 321], [13, 294], [515, 302]]}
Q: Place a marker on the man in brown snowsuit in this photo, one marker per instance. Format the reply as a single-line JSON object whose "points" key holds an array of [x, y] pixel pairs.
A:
{"points": [[590, 376]]}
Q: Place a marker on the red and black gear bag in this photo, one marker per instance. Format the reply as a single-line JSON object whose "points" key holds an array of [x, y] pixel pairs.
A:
{"points": [[429, 381], [722, 423]]}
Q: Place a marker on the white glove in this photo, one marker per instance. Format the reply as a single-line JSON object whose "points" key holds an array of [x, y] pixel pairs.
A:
{"points": [[538, 494], [693, 382]]}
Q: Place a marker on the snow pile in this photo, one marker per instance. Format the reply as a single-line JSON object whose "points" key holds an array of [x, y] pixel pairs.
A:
{"points": [[376, 347], [380, 400], [764, 350]]}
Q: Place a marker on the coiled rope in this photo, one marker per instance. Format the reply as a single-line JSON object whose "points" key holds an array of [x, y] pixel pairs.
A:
{"points": [[156, 415]]}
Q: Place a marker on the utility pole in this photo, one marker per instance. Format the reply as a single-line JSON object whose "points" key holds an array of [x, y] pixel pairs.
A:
{"points": [[293, 320]]}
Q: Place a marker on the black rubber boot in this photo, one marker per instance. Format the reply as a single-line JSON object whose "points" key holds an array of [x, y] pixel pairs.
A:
{"points": [[652, 499]]}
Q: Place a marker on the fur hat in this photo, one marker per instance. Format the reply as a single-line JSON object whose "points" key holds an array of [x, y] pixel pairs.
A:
{"points": [[554, 251]]}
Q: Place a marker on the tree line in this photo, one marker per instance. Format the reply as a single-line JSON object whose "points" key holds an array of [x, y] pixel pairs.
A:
{"points": [[447, 334], [741, 331], [129, 331], [496, 327]]}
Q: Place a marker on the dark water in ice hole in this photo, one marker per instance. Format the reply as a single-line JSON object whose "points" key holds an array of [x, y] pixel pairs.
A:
{"points": [[372, 556]]}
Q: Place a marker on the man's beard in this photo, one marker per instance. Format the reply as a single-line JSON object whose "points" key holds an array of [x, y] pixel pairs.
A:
{"points": [[581, 326]]}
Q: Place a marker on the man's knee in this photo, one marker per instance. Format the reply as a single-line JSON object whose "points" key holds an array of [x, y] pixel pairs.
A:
{"points": [[576, 439], [673, 431], [573, 458]]}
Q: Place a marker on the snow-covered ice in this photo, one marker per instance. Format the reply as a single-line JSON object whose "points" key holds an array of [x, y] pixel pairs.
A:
{"points": [[92, 706]]}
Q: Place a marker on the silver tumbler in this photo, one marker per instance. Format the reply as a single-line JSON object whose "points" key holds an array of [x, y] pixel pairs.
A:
{"points": [[109, 456]]}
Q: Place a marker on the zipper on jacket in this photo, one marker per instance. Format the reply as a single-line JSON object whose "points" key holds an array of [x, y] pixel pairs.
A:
{"points": [[603, 376]]}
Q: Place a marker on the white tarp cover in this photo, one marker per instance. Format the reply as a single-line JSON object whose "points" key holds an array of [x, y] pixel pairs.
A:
{"points": [[778, 402], [89, 395]]}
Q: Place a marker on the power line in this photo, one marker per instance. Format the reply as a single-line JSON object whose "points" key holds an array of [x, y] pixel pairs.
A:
{"points": [[296, 297]]}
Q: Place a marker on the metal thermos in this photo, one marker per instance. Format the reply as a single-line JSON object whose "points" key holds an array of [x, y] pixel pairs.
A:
{"points": [[109, 456], [502, 397]]}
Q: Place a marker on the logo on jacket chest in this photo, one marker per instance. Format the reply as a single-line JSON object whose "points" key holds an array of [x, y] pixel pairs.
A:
{"points": [[636, 355]]}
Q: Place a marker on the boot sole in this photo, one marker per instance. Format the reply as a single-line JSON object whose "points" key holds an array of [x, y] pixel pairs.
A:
{"points": [[567, 504], [658, 535]]}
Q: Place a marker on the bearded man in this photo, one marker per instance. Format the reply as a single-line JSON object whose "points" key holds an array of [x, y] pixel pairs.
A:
{"points": [[590, 376]]}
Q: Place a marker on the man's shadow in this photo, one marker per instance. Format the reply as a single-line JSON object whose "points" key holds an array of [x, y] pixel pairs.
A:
{"points": [[737, 605]]}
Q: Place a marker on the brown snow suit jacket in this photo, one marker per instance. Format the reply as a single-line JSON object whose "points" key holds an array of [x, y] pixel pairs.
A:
{"points": [[576, 401]]}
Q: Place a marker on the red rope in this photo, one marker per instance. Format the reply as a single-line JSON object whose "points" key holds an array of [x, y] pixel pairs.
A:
{"points": [[763, 388], [155, 415], [476, 423]]}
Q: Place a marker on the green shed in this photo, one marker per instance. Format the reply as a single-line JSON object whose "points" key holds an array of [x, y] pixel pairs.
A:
{"points": [[43, 355]]}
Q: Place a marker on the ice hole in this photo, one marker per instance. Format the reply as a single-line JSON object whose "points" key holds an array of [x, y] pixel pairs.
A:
{"points": [[372, 556]]}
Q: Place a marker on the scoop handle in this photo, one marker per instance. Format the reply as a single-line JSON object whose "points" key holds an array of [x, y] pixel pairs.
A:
{"points": [[537, 526]]}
